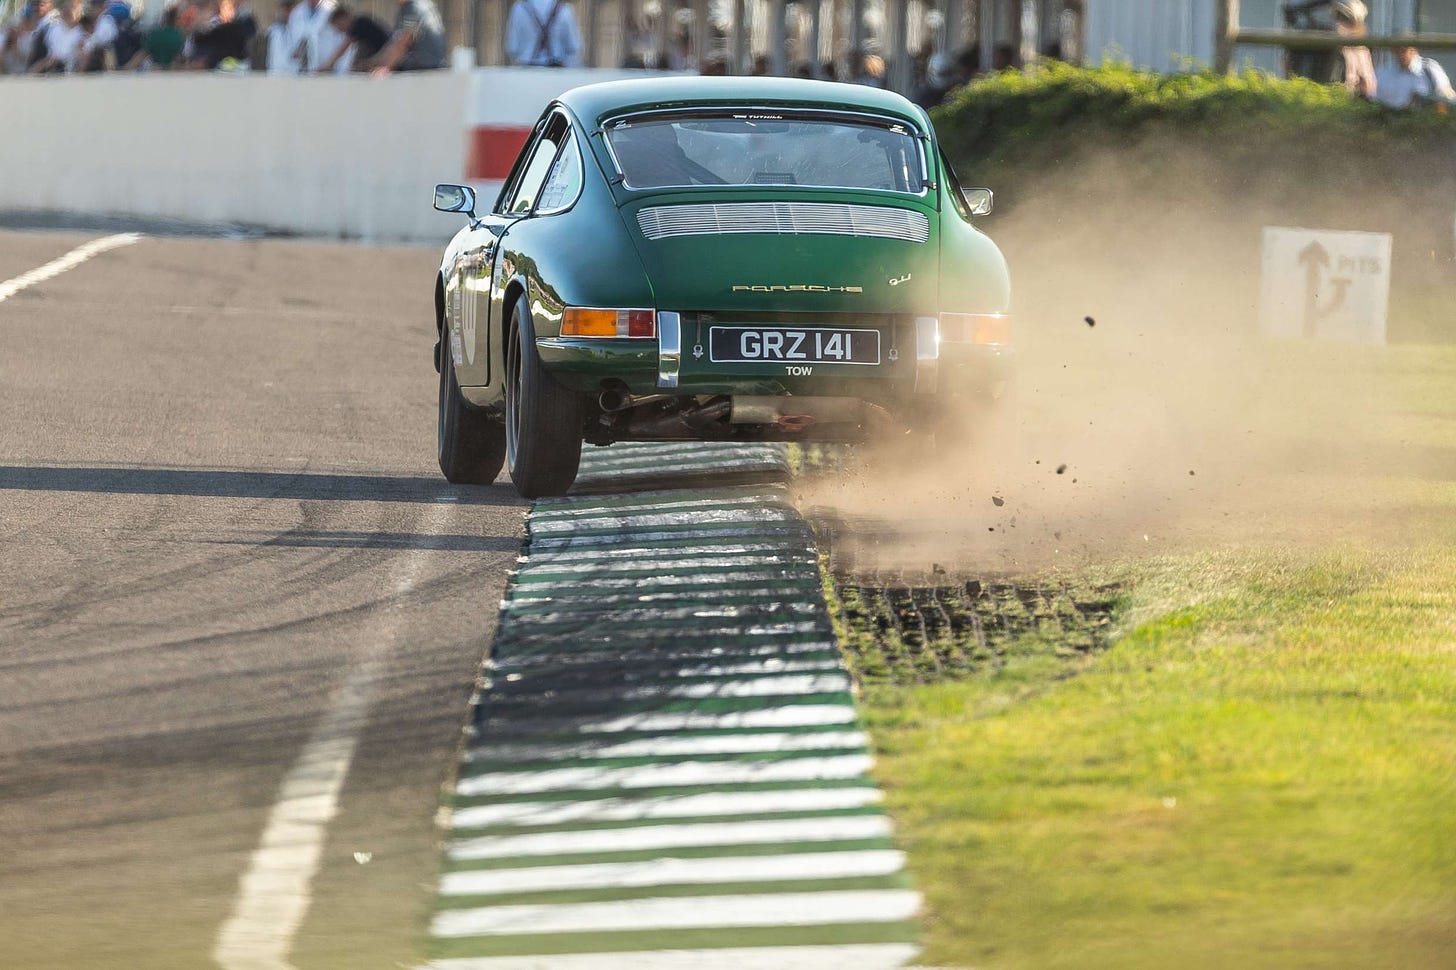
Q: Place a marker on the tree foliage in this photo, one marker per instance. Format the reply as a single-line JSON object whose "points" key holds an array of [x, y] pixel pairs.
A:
{"points": [[1019, 123]]}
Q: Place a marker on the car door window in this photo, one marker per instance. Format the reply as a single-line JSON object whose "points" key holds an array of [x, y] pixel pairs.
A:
{"points": [[538, 167], [564, 182]]}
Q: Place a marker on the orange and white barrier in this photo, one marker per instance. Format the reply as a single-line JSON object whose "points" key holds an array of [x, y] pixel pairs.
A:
{"points": [[503, 106]]}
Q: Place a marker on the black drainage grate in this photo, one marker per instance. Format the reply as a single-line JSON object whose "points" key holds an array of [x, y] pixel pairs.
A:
{"points": [[918, 633]]}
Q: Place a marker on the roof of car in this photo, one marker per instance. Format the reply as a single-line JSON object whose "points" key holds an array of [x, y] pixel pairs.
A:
{"points": [[593, 102]]}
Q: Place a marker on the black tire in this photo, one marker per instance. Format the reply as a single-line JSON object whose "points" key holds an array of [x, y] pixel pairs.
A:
{"points": [[470, 445], [543, 418]]}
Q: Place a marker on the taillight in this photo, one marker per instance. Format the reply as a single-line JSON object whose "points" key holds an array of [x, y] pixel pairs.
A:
{"points": [[990, 329], [587, 322]]}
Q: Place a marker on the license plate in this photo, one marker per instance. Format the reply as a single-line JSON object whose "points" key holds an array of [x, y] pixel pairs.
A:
{"points": [[788, 345]]}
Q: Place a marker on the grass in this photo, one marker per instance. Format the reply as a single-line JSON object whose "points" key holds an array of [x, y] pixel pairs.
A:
{"points": [[1258, 769]]}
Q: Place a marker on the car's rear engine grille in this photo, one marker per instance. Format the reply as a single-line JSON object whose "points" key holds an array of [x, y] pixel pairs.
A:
{"points": [[825, 218]]}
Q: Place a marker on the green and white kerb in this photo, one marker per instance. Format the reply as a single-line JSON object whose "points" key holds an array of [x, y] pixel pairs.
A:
{"points": [[666, 770]]}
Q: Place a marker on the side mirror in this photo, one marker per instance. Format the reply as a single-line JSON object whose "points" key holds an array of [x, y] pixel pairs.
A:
{"points": [[979, 201], [455, 198]]}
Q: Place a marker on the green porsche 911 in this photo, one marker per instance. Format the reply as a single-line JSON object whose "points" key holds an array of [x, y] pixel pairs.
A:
{"points": [[755, 259]]}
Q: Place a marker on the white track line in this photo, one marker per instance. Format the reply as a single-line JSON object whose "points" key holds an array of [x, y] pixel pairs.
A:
{"points": [[675, 872], [737, 555], [701, 520], [60, 264], [864, 956], [275, 891], [621, 588], [553, 682], [693, 835], [689, 651], [670, 806], [772, 685], [773, 909], [670, 775], [668, 746], [760, 667], [797, 715], [550, 513]]}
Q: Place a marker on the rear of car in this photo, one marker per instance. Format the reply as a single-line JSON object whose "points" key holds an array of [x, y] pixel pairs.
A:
{"points": [[714, 259], [794, 256]]}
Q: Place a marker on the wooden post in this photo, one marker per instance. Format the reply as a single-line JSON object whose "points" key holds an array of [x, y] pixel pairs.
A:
{"points": [[986, 22], [892, 43], [954, 12], [665, 11], [478, 31], [702, 33], [778, 38], [626, 23], [502, 15], [739, 38], [1223, 41], [589, 27], [900, 70], [452, 13], [816, 34]]}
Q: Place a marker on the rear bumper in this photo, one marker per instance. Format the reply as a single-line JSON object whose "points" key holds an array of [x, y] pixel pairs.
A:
{"points": [[917, 366]]}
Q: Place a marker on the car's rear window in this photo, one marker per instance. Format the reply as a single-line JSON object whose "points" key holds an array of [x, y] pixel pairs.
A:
{"points": [[768, 149]]}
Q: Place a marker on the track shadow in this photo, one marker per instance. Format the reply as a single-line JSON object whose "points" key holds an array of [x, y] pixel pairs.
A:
{"points": [[647, 467], [317, 486], [317, 539], [665, 479]]}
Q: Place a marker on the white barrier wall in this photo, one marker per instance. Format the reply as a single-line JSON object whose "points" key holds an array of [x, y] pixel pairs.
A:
{"points": [[350, 157]]}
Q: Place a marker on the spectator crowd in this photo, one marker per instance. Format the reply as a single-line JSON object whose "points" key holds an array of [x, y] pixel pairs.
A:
{"points": [[327, 37], [1405, 80], [306, 37]]}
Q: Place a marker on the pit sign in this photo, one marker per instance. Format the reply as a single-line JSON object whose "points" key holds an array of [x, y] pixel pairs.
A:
{"points": [[1325, 285]]}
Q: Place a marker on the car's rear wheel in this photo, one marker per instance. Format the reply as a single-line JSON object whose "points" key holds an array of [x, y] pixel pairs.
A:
{"points": [[543, 418], [470, 444]]}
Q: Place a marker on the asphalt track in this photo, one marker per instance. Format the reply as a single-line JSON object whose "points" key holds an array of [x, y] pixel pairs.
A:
{"points": [[219, 515], [243, 625]]}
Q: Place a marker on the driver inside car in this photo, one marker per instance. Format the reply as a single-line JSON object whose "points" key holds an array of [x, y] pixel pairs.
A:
{"points": [[652, 154]]}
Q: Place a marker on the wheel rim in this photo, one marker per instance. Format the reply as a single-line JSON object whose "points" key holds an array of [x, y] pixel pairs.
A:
{"points": [[513, 401]]}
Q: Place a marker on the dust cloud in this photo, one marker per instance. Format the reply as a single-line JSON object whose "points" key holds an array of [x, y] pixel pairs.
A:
{"points": [[1149, 415]]}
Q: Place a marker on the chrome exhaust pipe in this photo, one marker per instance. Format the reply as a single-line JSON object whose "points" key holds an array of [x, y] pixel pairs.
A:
{"points": [[614, 399]]}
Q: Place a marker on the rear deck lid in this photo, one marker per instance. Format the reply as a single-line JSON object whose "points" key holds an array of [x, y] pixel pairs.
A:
{"points": [[806, 256]]}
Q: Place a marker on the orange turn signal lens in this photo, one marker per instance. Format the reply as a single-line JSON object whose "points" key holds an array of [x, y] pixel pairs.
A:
{"points": [[989, 329], [587, 322]]}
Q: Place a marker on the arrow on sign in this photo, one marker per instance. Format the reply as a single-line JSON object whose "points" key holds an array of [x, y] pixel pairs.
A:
{"points": [[1316, 259]]}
